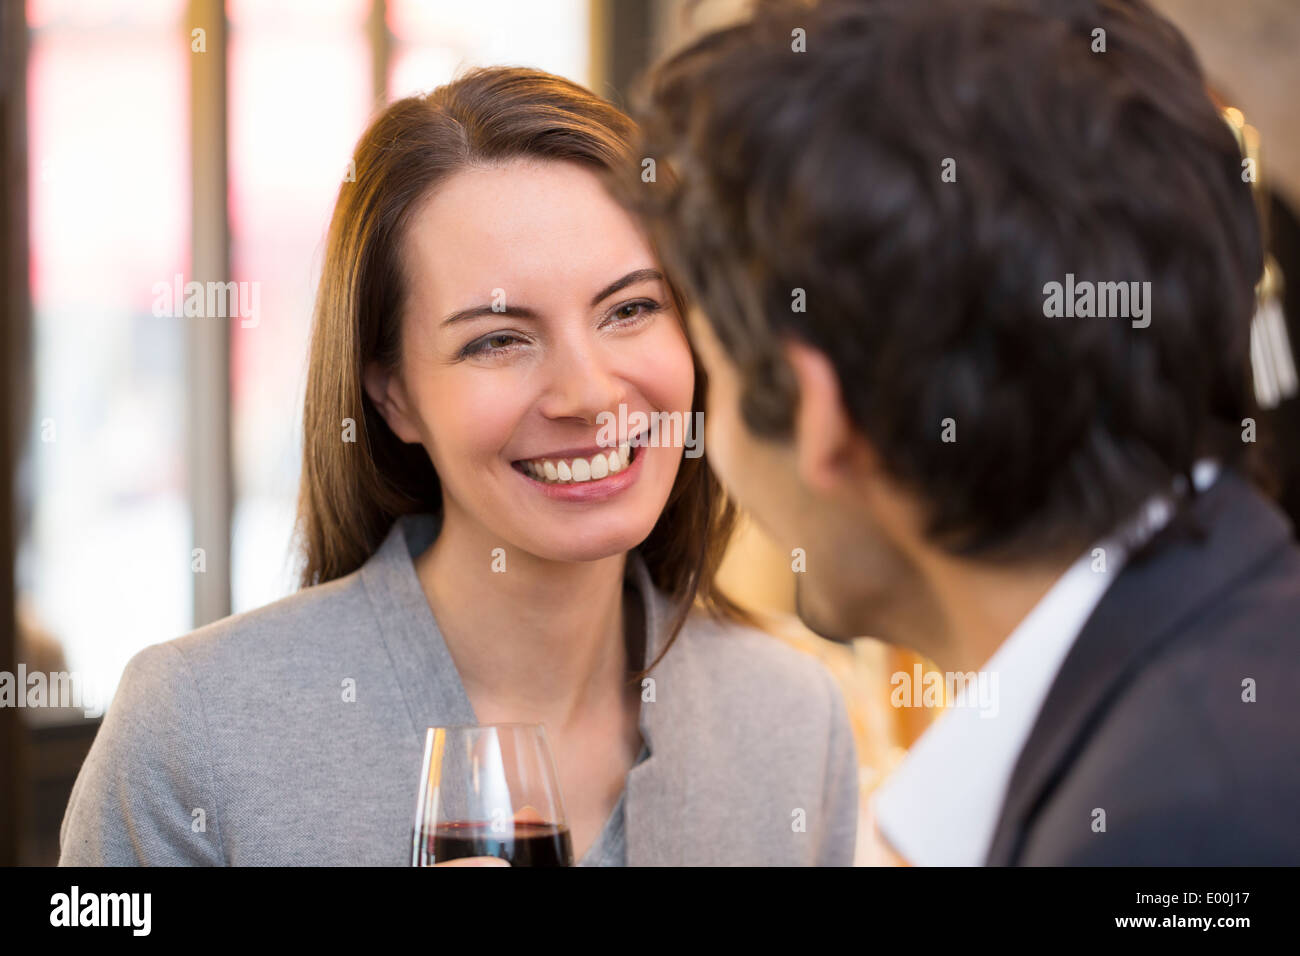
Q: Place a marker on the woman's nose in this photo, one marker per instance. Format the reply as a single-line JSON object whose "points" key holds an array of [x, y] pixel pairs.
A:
{"points": [[581, 383]]}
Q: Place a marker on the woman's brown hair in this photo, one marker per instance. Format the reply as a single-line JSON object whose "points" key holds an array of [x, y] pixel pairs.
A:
{"points": [[352, 491]]}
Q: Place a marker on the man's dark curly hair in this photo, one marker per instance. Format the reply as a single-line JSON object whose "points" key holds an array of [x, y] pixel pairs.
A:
{"points": [[820, 171]]}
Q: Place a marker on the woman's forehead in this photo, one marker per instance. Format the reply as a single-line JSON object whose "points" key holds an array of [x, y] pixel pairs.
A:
{"points": [[526, 228]]}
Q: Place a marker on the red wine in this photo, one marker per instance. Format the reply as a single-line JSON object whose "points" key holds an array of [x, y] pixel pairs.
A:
{"points": [[523, 844]]}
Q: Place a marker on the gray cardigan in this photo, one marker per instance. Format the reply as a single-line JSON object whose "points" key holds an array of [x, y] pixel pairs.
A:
{"points": [[235, 744]]}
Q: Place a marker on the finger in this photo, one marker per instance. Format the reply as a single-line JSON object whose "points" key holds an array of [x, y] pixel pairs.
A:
{"points": [[476, 861]]}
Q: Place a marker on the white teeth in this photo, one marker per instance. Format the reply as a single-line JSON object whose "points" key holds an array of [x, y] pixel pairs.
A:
{"points": [[595, 468]]}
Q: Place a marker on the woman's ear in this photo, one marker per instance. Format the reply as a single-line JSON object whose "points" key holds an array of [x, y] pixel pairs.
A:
{"points": [[389, 396]]}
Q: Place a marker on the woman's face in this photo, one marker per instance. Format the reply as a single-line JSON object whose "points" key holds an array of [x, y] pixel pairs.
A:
{"points": [[535, 305]]}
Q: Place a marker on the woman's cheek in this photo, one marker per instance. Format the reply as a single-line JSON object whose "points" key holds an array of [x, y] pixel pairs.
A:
{"points": [[666, 369], [473, 419]]}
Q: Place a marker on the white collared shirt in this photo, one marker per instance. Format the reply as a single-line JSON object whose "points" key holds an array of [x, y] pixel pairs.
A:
{"points": [[942, 805]]}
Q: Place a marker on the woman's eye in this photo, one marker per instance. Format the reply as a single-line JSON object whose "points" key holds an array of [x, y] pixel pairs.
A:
{"points": [[630, 311], [490, 344]]}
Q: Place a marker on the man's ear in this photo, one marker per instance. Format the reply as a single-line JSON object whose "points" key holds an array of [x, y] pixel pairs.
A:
{"points": [[830, 452], [389, 396]]}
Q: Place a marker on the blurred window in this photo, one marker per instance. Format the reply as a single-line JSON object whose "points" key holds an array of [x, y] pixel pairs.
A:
{"points": [[104, 556], [103, 564]]}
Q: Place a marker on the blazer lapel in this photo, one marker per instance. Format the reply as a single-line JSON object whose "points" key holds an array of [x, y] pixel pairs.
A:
{"points": [[430, 683], [657, 830], [658, 827], [1140, 613]]}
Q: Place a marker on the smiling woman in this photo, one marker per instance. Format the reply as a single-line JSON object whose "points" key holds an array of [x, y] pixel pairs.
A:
{"points": [[582, 323], [484, 550]]}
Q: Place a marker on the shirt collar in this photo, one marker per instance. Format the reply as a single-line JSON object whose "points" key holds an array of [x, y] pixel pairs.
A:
{"points": [[941, 806]]}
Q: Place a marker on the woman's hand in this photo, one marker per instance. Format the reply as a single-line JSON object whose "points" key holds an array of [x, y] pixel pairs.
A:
{"points": [[526, 814], [476, 861]]}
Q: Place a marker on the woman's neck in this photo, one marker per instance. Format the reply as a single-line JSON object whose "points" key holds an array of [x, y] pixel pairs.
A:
{"points": [[540, 641]]}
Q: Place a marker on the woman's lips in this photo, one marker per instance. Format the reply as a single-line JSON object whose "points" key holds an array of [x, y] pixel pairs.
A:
{"points": [[587, 466], [591, 488]]}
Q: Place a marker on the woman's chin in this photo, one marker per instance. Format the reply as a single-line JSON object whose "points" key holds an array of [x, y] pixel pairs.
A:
{"points": [[576, 544]]}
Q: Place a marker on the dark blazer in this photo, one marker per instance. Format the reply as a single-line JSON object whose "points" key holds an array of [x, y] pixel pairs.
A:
{"points": [[1146, 719]]}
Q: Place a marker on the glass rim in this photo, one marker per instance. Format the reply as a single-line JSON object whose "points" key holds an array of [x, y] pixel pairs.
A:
{"points": [[494, 724]]}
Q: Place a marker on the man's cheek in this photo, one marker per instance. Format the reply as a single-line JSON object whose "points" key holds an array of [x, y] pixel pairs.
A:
{"points": [[717, 445]]}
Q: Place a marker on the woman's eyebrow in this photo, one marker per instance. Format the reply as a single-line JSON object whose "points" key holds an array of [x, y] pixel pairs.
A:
{"points": [[518, 311], [640, 275], [523, 312]]}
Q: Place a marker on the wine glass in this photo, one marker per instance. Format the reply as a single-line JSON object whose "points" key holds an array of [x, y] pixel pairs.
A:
{"points": [[490, 790]]}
